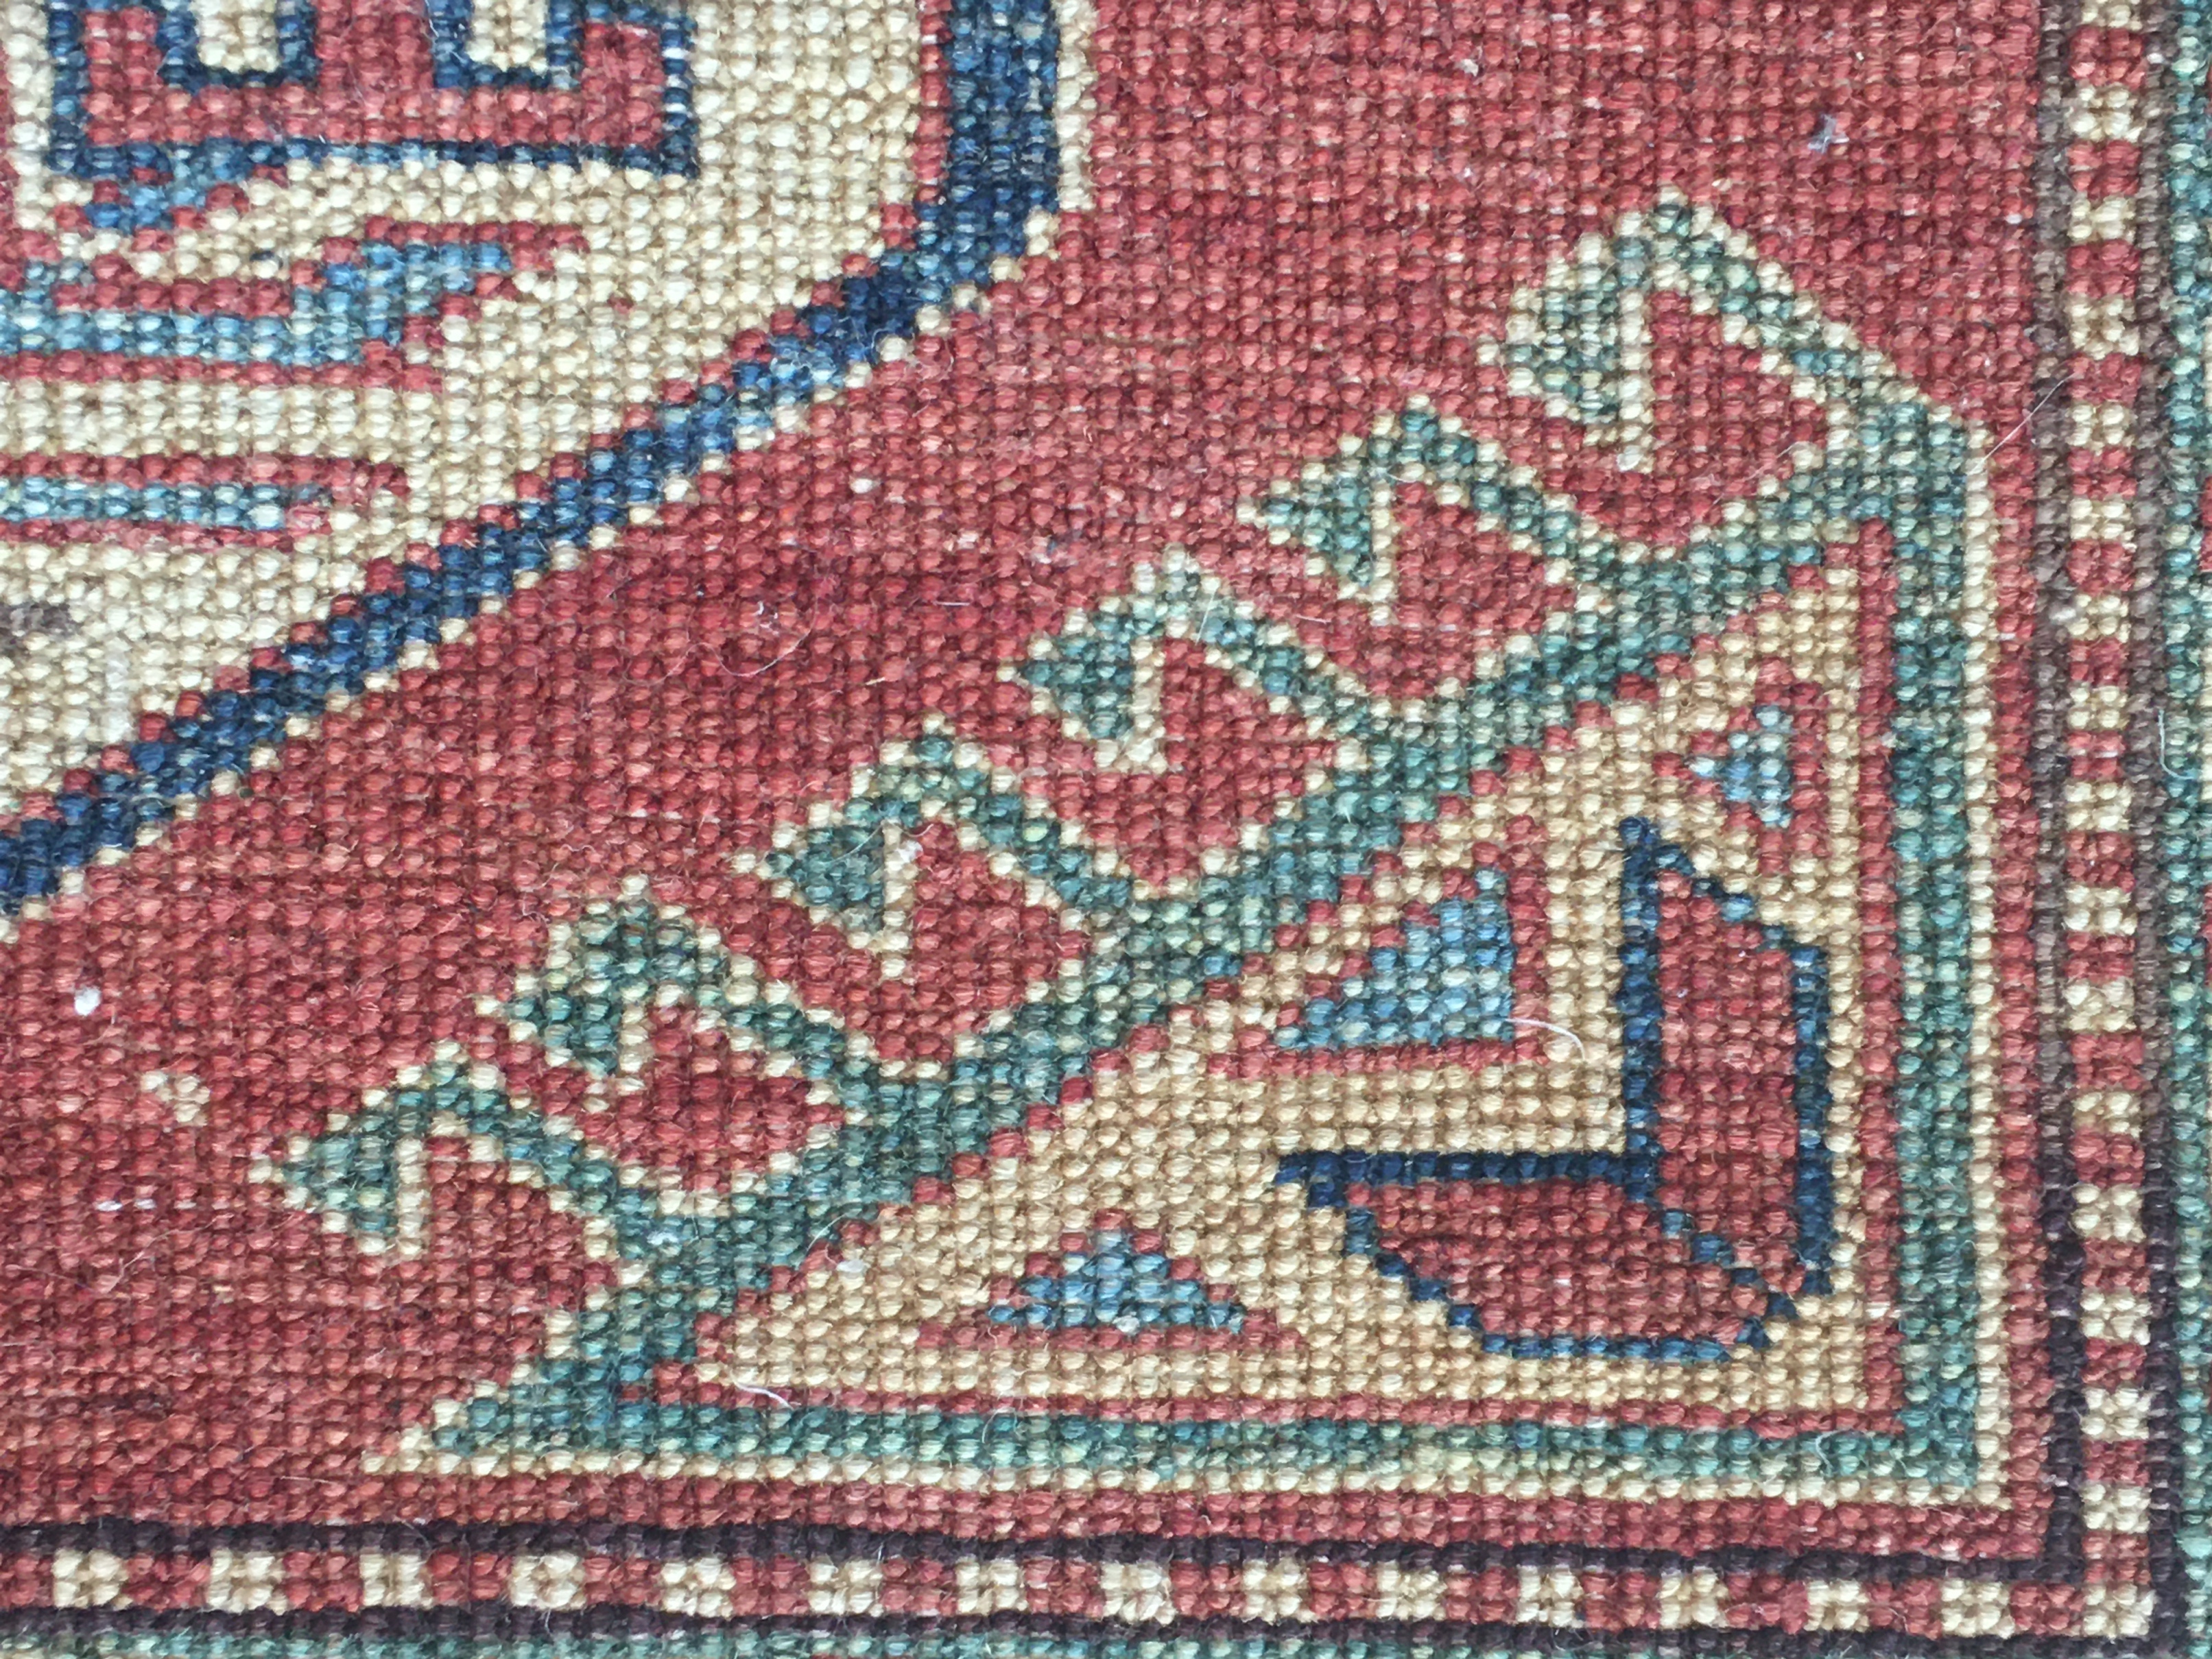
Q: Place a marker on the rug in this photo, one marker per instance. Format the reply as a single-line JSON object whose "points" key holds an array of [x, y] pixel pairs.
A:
{"points": [[1104, 829]]}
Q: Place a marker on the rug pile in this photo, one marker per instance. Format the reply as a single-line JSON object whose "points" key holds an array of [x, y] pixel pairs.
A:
{"points": [[1097, 829]]}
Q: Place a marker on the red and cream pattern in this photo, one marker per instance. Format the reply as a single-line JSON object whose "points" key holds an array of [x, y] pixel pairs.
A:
{"points": [[435, 265], [1314, 912], [2105, 121]]}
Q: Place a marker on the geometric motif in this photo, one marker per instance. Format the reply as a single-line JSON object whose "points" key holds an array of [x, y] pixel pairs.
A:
{"points": [[403, 238], [1068, 826], [1765, 765], [1688, 1175], [1728, 1170], [891, 1123], [1113, 1280], [293, 93], [1447, 976], [1112, 1285]]}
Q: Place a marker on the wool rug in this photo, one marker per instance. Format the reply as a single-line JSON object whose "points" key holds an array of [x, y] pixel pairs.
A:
{"points": [[1104, 828]]}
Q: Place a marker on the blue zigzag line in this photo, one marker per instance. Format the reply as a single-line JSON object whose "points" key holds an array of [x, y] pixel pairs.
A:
{"points": [[1002, 166]]}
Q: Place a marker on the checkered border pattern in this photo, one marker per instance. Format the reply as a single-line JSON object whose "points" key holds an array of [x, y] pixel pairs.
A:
{"points": [[896, 1583], [2091, 544]]}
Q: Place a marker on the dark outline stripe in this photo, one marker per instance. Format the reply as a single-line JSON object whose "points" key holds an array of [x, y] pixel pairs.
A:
{"points": [[491, 1620], [2050, 666], [2144, 768], [738, 1539]]}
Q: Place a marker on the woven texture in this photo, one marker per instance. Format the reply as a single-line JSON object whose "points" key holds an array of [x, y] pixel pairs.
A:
{"points": [[1097, 829]]}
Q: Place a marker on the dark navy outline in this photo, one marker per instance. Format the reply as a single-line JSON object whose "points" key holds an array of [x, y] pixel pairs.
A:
{"points": [[1637, 1170], [158, 178], [1002, 165], [1813, 1195]]}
